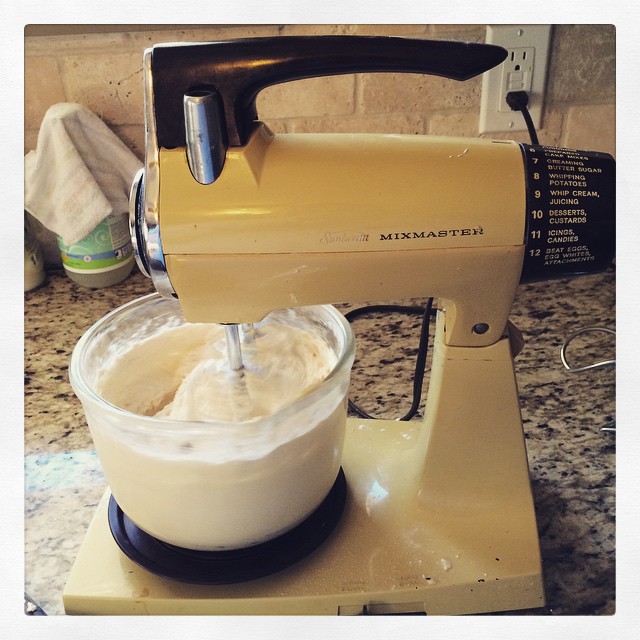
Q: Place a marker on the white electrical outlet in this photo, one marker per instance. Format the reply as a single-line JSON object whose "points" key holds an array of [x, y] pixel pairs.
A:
{"points": [[517, 74], [525, 69]]}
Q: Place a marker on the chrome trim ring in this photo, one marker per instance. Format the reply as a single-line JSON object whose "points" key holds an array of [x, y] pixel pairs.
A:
{"points": [[144, 198], [136, 222]]}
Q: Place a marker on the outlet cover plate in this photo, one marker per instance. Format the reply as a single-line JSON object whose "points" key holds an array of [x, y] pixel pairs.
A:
{"points": [[528, 47]]}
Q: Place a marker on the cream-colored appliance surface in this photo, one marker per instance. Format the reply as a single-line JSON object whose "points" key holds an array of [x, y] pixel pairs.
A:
{"points": [[330, 193], [301, 219]]}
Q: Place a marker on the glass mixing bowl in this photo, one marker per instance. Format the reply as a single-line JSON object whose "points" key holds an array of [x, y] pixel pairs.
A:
{"points": [[212, 485]]}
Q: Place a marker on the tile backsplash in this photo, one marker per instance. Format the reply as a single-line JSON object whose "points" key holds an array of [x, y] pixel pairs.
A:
{"points": [[101, 68]]}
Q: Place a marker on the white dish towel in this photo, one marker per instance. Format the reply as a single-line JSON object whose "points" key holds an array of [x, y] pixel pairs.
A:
{"points": [[79, 173]]}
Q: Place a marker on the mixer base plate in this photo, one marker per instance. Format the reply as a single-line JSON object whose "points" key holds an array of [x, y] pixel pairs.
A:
{"points": [[231, 566], [438, 519], [385, 557]]}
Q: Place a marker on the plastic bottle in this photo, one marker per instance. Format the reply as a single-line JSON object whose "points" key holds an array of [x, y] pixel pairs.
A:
{"points": [[104, 257], [34, 274]]}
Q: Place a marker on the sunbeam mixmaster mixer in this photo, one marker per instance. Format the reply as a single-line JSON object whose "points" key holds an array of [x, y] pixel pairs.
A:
{"points": [[235, 222]]}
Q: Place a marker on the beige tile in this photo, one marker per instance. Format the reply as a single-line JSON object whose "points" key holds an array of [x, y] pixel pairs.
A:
{"points": [[43, 87], [354, 29], [140, 37], [591, 127], [204, 33], [109, 85], [387, 92], [311, 97], [582, 64], [466, 32], [391, 123], [30, 139], [68, 43], [458, 123]]}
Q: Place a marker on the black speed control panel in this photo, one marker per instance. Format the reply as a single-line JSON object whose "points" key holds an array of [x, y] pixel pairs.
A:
{"points": [[570, 212]]}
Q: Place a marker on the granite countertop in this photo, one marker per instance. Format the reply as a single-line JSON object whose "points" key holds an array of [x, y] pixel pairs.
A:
{"points": [[572, 460]]}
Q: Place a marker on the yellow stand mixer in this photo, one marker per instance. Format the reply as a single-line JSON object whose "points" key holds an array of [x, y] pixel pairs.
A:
{"points": [[236, 221]]}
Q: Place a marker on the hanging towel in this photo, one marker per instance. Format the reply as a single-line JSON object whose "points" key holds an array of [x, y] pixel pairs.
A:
{"points": [[79, 173]]}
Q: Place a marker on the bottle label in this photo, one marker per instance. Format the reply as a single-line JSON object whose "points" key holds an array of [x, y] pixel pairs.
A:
{"points": [[106, 248]]}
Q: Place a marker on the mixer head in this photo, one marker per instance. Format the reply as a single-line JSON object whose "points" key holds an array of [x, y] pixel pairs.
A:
{"points": [[236, 221]]}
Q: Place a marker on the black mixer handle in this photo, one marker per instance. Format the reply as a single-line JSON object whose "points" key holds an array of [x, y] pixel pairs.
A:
{"points": [[237, 70]]}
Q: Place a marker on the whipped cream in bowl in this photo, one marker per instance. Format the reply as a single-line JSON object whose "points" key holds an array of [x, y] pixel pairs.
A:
{"points": [[207, 458]]}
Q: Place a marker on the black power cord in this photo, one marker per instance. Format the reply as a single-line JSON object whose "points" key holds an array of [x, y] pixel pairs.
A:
{"points": [[421, 359], [518, 101]]}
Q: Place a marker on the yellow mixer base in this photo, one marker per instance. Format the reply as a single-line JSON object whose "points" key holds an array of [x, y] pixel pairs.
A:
{"points": [[385, 556]]}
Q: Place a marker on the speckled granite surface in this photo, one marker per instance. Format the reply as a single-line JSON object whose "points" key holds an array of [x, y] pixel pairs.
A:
{"points": [[572, 461]]}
